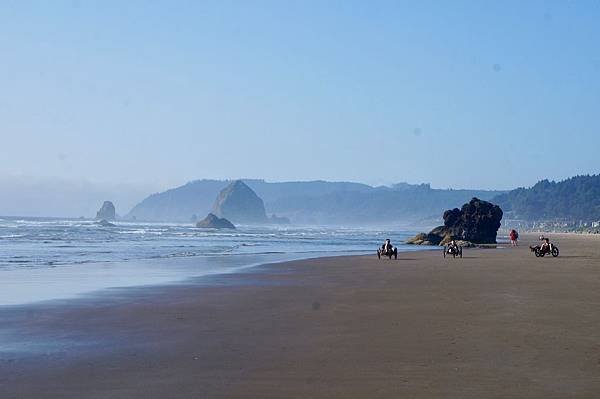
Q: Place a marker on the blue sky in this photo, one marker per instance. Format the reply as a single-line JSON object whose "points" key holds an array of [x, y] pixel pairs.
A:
{"points": [[475, 94]]}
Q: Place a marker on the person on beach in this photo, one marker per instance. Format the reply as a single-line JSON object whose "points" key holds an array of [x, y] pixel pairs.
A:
{"points": [[387, 249], [453, 245], [514, 236], [387, 246], [546, 246]]}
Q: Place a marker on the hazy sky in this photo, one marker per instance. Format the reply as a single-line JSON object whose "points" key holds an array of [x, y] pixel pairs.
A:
{"points": [[479, 94]]}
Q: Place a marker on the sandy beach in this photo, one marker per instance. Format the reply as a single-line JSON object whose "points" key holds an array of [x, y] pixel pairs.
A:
{"points": [[498, 323]]}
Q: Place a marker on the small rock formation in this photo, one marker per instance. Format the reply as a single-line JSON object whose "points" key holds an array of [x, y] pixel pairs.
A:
{"points": [[105, 223], [477, 222], [107, 211], [212, 221], [240, 204], [279, 220]]}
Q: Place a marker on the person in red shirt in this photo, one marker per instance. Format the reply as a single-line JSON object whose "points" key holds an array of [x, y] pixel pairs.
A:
{"points": [[514, 236]]}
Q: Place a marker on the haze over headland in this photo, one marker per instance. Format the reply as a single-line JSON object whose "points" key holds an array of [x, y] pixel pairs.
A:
{"points": [[146, 97], [59, 197]]}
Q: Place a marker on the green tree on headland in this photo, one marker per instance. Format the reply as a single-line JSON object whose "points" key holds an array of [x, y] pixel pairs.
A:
{"points": [[577, 198]]}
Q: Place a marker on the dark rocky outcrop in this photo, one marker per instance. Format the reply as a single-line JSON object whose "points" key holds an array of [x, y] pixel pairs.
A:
{"points": [[105, 223], [240, 204], [107, 211], [477, 222], [212, 221]]}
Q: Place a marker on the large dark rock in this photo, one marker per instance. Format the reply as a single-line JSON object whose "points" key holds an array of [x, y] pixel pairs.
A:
{"points": [[107, 212], [214, 222], [240, 204], [477, 222]]}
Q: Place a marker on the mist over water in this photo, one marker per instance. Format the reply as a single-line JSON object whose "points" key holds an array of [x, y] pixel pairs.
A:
{"points": [[67, 198]]}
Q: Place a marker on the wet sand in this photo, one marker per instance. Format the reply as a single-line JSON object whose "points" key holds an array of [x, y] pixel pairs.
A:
{"points": [[498, 323]]}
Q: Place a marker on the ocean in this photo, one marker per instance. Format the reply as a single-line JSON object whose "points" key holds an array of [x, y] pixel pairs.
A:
{"points": [[48, 259]]}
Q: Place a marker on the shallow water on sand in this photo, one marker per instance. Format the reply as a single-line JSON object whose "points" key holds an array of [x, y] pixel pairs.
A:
{"points": [[45, 259]]}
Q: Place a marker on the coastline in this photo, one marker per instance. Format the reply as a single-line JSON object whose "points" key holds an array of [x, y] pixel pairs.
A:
{"points": [[495, 323], [64, 259], [23, 287]]}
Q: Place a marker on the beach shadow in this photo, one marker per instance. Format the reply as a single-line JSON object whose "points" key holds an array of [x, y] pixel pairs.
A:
{"points": [[575, 256]]}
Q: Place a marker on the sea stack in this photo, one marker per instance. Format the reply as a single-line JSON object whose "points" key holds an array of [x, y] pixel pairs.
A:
{"points": [[477, 222], [240, 204], [107, 212], [105, 223], [211, 221]]}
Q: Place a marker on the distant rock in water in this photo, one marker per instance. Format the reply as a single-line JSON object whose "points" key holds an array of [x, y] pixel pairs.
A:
{"points": [[477, 222], [240, 204], [279, 220], [214, 222], [107, 211], [105, 223]]}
